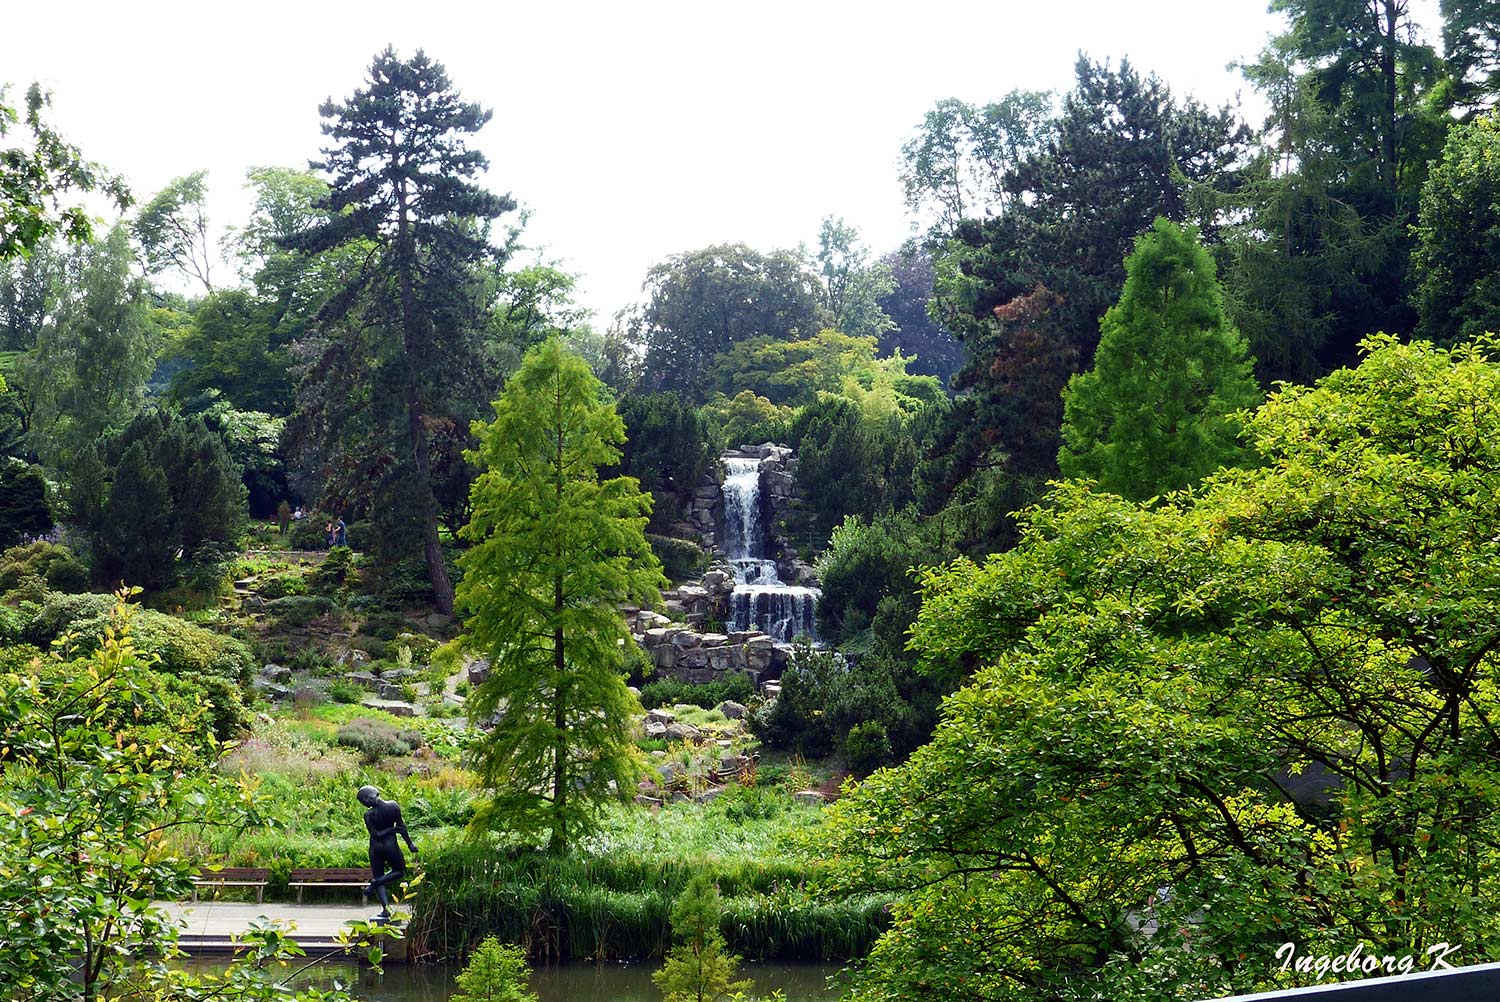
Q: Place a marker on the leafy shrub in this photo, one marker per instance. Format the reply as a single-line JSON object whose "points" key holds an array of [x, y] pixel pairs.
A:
{"points": [[31, 588], [308, 533], [297, 610], [194, 666], [681, 559], [181, 647], [12, 625], [734, 686], [334, 572], [866, 562], [867, 747], [823, 696], [276, 586], [68, 574], [31, 560], [61, 613], [343, 691], [376, 739]]}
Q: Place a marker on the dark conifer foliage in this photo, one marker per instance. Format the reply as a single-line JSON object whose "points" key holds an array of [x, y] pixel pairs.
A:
{"points": [[396, 345], [159, 498]]}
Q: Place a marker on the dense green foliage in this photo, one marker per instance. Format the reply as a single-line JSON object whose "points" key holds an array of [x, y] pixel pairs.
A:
{"points": [[700, 304], [697, 967], [666, 450], [496, 972], [1457, 256], [24, 511], [670, 692], [824, 697], [1269, 699], [39, 179], [1152, 416], [554, 550], [85, 369], [159, 497], [401, 187], [96, 763], [849, 464]]}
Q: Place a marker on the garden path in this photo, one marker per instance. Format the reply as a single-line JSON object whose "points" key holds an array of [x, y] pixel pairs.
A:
{"points": [[211, 926]]}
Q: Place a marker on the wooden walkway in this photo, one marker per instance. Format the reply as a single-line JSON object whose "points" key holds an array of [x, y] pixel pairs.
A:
{"points": [[212, 926]]}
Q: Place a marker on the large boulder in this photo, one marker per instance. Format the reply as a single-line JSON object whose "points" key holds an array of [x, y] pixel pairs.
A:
{"points": [[648, 620], [683, 732], [731, 709], [479, 671]]}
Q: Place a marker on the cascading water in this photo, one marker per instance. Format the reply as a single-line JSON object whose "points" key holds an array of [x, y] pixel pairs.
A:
{"points": [[760, 600]]}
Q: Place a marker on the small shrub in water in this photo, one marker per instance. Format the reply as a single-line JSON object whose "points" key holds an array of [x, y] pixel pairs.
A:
{"points": [[496, 972]]}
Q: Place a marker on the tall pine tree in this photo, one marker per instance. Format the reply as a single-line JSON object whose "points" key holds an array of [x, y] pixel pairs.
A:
{"points": [[401, 181]]}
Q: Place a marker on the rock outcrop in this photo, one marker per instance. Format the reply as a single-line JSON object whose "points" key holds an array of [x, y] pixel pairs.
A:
{"points": [[683, 653]]}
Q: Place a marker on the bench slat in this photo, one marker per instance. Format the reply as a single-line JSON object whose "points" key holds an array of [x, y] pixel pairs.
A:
{"points": [[234, 876], [335, 876]]}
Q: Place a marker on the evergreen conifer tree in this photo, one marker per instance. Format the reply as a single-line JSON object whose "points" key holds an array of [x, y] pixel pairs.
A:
{"points": [[496, 972], [401, 180], [555, 551], [1151, 416], [698, 967]]}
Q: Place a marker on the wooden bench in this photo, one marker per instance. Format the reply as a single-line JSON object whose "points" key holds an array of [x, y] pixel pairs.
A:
{"points": [[329, 877], [234, 876]]}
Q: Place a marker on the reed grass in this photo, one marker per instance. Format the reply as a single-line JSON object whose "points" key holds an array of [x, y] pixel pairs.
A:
{"points": [[611, 899]]}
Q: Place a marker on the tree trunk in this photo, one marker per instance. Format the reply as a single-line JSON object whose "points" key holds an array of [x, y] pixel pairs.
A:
{"points": [[432, 549], [1388, 74], [559, 841]]}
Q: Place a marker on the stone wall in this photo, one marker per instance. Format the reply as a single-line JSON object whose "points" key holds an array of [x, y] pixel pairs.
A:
{"points": [[699, 658]]}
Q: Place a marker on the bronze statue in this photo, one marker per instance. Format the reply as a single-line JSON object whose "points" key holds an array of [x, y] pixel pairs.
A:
{"points": [[387, 865]]}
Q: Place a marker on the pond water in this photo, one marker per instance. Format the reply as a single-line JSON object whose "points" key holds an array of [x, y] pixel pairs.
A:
{"points": [[570, 983]]}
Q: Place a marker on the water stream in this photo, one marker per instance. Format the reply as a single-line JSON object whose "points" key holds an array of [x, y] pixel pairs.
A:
{"points": [[761, 600]]}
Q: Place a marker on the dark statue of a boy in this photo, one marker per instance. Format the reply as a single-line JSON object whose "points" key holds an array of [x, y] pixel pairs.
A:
{"points": [[387, 865]]}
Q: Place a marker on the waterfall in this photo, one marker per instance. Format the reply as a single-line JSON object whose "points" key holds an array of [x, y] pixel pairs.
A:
{"points": [[760, 600]]}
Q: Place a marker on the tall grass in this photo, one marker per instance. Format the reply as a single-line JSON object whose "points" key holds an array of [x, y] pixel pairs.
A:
{"points": [[611, 899]]}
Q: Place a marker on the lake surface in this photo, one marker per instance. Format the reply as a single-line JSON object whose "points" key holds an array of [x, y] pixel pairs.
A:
{"points": [[571, 983]]}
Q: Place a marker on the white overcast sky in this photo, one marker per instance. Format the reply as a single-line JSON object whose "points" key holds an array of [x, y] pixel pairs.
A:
{"points": [[630, 130]]}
